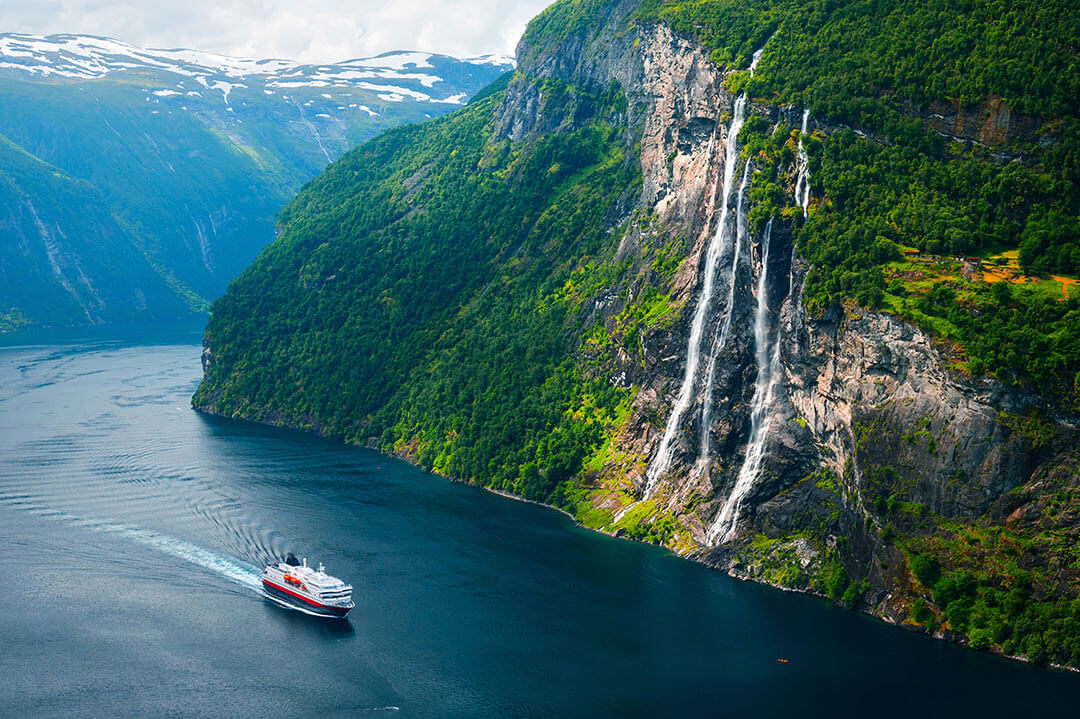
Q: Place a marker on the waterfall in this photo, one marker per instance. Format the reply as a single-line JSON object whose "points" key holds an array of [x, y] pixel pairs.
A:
{"points": [[802, 180], [768, 367], [718, 245], [768, 372], [802, 191], [725, 325]]}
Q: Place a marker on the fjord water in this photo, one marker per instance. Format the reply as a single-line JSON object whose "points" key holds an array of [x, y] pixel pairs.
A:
{"points": [[133, 530]]}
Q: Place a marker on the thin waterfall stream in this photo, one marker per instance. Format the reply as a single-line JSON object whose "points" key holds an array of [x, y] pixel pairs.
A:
{"points": [[725, 324], [717, 246], [802, 181]]}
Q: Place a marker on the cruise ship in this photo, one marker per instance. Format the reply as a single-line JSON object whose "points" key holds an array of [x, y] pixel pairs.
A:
{"points": [[309, 590]]}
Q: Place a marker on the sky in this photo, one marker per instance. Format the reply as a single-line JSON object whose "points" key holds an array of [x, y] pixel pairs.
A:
{"points": [[312, 31]]}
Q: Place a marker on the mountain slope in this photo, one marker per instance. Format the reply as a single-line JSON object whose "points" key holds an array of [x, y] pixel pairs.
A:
{"points": [[42, 206], [644, 282], [191, 153], [427, 260]]}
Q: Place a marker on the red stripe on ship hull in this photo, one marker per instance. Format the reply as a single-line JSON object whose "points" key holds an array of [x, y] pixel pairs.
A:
{"points": [[300, 596]]}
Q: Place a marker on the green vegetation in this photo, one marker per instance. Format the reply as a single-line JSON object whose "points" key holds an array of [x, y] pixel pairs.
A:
{"points": [[810, 557], [12, 319], [879, 198], [1001, 611], [776, 560], [926, 568], [561, 22], [881, 65], [450, 272], [857, 60], [779, 561], [46, 208], [1007, 586], [643, 523], [453, 296]]}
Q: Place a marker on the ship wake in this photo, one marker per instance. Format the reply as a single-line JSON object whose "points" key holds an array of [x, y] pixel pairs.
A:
{"points": [[231, 568]]}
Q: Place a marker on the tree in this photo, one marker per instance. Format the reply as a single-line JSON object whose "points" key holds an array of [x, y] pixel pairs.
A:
{"points": [[926, 569]]}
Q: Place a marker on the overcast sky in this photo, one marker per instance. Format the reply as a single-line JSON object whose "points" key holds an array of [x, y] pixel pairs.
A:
{"points": [[306, 30]]}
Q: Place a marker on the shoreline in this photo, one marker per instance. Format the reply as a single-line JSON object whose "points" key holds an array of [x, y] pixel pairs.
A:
{"points": [[690, 557], [868, 611]]}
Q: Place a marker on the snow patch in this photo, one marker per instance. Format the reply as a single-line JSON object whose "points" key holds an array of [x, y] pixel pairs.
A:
{"points": [[226, 88], [489, 59], [458, 99], [393, 76], [396, 60]]}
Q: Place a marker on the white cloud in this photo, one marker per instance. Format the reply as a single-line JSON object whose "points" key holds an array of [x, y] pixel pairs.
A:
{"points": [[306, 30]]}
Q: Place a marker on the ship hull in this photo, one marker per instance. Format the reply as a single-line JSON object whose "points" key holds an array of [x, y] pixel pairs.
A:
{"points": [[306, 604]]}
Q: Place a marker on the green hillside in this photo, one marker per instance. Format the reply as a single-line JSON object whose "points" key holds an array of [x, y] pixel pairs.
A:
{"points": [[41, 199], [188, 199], [441, 267], [395, 250], [189, 165]]}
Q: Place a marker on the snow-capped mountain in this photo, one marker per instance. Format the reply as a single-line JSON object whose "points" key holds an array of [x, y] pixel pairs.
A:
{"points": [[392, 77], [137, 181]]}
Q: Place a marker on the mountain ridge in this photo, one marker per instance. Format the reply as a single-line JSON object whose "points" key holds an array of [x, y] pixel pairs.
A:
{"points": [[87, 57]]}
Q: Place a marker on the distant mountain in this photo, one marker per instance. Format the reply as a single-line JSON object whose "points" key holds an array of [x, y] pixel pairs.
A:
{"points": [[135, 183]]}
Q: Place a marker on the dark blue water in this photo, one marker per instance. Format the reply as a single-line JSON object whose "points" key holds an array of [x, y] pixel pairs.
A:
{"points": [[132, 531]]}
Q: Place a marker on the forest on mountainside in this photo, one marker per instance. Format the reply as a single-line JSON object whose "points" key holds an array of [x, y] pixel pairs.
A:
{"points": [[890, 182], [434, 293], [441, 274], [438, 272]]}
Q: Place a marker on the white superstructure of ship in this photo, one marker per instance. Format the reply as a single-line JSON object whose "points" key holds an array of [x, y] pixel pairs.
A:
{"points": [[310, 590]]}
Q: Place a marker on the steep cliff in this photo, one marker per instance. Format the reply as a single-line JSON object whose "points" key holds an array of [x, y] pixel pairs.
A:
{"points": [[688, 312]]}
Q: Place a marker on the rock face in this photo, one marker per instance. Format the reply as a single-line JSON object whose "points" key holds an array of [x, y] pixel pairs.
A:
{"points": [[874, 389], [675, 97], [865, 415], [991, 123]]}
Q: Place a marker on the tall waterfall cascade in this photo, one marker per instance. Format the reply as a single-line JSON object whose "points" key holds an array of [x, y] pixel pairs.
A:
{"points": [[802, 179], [768, 374], [768, 367], [719, 245], [724, 334]]}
